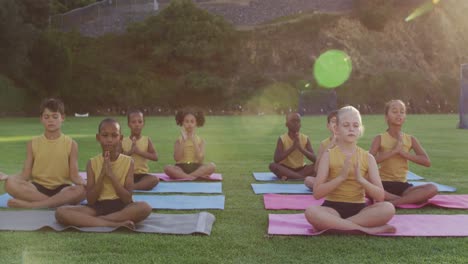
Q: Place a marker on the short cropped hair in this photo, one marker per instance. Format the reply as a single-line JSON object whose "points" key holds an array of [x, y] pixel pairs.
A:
{"points": [[53, 104], [107, 121]]}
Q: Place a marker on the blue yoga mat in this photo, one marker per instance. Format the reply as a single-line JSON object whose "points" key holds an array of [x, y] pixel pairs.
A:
{"points": [[440, 187], [279, 188], [185, 187], [178, 202], [181, 202], [269, 176], [4, 199]]}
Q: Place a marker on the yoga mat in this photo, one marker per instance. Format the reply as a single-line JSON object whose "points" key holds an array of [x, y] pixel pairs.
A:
{"points": [[185, 187], [279, 188], [182, 224], [289, 202], [440, 187], [406, 225], [182, 202], [302, 202], [178, 202], [455, 201], [164, 177], [269, 176]]}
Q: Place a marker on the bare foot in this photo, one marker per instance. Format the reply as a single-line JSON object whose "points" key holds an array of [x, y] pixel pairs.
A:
{"points": [[16, 203], [203, 178], [284, 178], [380, 229], [128, 224]]}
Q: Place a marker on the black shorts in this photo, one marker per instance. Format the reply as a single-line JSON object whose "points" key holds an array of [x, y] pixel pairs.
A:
{"points": [[345, 209], [138, 177], [188, 167], [396, 188], [105, 207], [47, 191], [294, 169]]}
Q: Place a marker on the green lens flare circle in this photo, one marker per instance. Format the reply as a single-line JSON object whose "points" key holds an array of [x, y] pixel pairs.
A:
{"points": [[332, 68]]}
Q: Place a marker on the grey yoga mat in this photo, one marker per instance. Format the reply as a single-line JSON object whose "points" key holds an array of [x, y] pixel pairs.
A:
{"points": [[182, 224]]}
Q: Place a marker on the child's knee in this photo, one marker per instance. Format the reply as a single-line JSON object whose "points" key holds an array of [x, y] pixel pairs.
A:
{"points": [[273, 167], [310, 212], [212, 166], [387, 208], [430, 190], [60, 214], [80, 190], [309, 182], [144, 208], [168, 169]]}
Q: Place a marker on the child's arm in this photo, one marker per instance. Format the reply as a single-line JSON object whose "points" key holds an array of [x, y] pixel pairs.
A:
{"points": [[93, 188], [150, 154], [25, 174], [373, 187], [319, 156], [419, 157], [124, 192], [179, 150], [199, 150], [321, 187], [73, 163], [308, 151], [382, 156], [280, 154]]}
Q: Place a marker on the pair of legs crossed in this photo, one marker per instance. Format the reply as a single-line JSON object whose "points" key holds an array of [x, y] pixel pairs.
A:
{"points": [[179, 171], [404, 193], [372, 219], [85, 216], [27, 195], [283, 172], [144, 181]]}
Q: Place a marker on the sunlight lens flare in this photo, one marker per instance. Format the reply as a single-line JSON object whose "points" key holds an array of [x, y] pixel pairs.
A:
{"points": [[421, 10]]}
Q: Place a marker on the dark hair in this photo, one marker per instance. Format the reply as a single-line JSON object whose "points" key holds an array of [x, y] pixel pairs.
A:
{"points": [[134, 111], [53, 104], [199, 116], [387, 105], [332, 114], [107, 121]]}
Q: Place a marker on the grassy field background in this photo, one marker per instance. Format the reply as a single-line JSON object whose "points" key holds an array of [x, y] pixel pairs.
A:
{"points": [[239, 145]]}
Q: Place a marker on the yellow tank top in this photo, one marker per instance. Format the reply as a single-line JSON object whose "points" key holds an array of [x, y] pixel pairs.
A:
{"points": [[396, 167], [51, 166], [350, 191], [120, 168], [189, 151], [296, 158], [140, 164], [324, 144]]}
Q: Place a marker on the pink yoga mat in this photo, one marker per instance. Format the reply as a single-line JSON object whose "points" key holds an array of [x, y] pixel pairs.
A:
{"points": [[301, 202], [456, 201], [406, 225], [164, 177], [289, 202]]}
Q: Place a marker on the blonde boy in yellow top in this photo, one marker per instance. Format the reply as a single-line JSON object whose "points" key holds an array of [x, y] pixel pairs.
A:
{"points": [[51, 166], [291, 148], [141, 149], [109, 188], [346, 174]]}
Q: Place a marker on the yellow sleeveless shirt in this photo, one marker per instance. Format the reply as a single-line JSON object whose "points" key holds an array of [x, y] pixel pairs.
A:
{"points": [[120, 168], [140, 163], [51, 166], [349, 191], [189, 151], [296, 158], [396, 167]]}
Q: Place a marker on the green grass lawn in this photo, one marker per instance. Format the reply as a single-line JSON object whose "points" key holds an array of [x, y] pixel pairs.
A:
{"points": [[239, 146]]}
